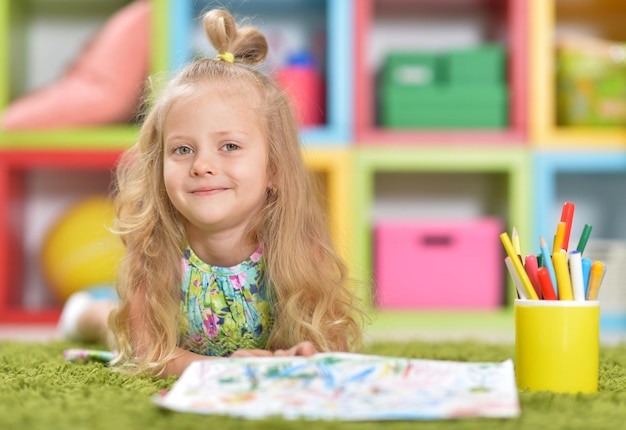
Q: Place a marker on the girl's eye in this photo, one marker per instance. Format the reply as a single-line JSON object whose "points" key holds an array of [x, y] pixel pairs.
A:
{"points": [[230, 147], [182, 150]]}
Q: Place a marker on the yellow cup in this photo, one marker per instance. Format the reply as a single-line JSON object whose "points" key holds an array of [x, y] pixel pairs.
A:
{"points": [[557, 345]]}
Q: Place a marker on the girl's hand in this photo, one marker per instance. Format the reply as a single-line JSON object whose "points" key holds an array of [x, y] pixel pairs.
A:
{"points": [[304, 349], [251, 353]]}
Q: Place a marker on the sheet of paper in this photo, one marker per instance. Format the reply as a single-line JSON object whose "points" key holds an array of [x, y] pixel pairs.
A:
{"points": [[342, 386]]}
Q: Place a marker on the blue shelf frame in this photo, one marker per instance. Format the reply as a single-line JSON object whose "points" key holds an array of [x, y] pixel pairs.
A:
{"points": [[547, 165], [337, 131]]}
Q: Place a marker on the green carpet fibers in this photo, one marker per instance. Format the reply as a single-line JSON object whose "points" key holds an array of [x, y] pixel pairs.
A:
{"points": [[39, 390]]}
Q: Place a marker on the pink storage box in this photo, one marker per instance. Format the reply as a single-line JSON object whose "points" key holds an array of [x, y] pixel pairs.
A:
{"points": [[449, 264]]}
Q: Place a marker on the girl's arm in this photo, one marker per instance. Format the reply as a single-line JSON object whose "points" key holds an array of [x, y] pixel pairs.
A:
{"points": [[184, 358]]}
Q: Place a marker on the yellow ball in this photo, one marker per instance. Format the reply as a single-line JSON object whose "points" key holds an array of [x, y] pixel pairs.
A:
{"points": [[80, 251]]}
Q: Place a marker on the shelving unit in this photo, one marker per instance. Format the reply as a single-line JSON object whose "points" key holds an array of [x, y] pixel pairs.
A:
{"points": [[520, 174]]}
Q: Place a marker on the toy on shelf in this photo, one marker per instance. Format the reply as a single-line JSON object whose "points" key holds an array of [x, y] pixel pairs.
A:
{"points": [[591, 82], [104, 86], [462, 88], [305, 88], [80, 251]]}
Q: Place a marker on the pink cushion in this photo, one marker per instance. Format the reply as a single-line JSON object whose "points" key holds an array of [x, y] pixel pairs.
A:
{"points": [[104, 86]]}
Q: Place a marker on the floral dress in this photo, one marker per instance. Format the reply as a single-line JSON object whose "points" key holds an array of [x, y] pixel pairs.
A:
{"points": [[224, 309]]}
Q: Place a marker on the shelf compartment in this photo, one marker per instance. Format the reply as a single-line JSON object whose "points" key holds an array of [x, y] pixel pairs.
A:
{"points": [[321, 26], [35, 187], [437, 183], [593, 180], [39, 40], [552, 18], [479, 21]]}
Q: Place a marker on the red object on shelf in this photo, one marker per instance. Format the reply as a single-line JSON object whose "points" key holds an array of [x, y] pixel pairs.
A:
{"points": [[513, 16], [15, 166], [305, 88]]}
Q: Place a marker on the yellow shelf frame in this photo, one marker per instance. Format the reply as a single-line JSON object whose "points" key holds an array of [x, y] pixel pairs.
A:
{"points": [[336, 166]]}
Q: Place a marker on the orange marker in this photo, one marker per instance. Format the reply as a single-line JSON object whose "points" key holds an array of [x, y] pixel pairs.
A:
{"points": [[567, 216], [558, 237], [595, 279], [547, 289]]}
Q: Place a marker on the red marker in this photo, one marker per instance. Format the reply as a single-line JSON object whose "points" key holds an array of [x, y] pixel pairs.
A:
{"points": [[532, 267], [567, 216], [545, 282]]}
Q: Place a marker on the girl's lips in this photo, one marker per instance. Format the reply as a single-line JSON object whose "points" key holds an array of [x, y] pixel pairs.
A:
{"points": [[207, 191]]}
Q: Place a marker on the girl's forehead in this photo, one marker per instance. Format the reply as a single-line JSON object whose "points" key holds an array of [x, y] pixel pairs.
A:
{"points": [[239, 96], [211, 98]]}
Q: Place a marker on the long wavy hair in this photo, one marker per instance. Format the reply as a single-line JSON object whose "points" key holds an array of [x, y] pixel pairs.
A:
{"points": [[311, 294]]}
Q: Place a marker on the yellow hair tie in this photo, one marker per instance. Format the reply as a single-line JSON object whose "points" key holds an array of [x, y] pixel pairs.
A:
{"points": [[226, 56]]}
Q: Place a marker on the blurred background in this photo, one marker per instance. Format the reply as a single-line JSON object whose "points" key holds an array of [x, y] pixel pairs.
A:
{"points": [[432, 126]]}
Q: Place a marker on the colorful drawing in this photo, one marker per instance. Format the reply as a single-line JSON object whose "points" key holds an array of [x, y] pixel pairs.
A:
{"points": [[341, 386]]}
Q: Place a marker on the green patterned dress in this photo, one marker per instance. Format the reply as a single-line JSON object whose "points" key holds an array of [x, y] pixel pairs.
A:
{"points": [[224, 309]]}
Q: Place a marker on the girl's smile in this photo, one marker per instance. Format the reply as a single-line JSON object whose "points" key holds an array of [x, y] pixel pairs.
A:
{"points": [[208, 191]]}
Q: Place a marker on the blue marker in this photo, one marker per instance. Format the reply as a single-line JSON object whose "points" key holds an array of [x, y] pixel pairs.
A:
{"points": [[586, 272], [547, 263]]}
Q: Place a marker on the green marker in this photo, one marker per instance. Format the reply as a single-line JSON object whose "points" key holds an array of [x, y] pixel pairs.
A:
{"points": [[584, 237]]}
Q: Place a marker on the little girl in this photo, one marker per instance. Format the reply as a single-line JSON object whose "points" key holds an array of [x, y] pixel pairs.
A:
{"points": [[227, 251]]}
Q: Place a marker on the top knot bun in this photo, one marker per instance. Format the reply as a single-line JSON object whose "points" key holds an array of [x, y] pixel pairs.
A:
{"points": [[246, 44]]}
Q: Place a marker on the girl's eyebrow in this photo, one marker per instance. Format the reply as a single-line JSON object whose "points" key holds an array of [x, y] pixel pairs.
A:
{"points": [[230, 132], [173, 140], [175, 136]]}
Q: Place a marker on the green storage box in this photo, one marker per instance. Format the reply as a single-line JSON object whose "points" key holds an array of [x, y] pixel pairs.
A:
{"points": [[487, 118], [484, 64], [442, 106], [410, 69], [446, 96]]}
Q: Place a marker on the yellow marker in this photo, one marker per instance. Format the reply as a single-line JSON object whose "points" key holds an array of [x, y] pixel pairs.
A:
{"points": [[559, 260], [517, 264], [595, 279], [558, 237]]}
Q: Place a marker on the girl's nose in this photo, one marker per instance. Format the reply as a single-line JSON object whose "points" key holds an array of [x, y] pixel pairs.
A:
{"points": [[203, 164]]}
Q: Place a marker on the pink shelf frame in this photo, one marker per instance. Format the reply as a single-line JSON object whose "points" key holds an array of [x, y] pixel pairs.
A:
{"points": [[368, 133], [15, 165]]}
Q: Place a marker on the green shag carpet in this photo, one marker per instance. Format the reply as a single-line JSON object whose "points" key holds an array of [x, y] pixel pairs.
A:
{"points": [[39, 390]]}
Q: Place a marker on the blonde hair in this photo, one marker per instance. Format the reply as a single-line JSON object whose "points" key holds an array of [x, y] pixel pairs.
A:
{"points": [[311, 295]]}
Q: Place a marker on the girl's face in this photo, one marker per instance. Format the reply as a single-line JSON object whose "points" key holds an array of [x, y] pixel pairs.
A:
{"points": [[215, 162]]}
